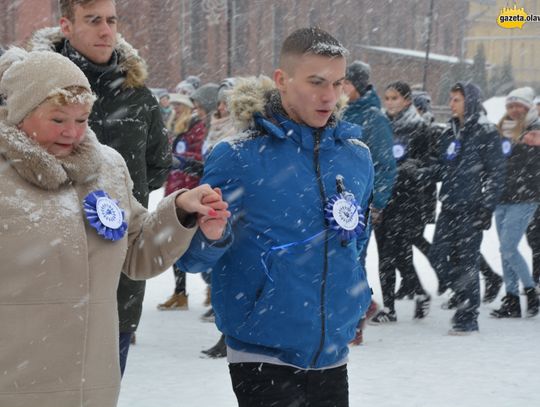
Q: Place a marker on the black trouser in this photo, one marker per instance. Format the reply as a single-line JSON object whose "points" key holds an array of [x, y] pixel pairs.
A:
{"points": [[485, 269], [533, 238], [267, 385], [180, 281], [395, 252]]}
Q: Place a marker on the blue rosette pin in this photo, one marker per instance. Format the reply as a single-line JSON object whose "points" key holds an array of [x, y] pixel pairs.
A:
{"points": [[506, 146], [453, 150], [104, 215], [345, 216]]}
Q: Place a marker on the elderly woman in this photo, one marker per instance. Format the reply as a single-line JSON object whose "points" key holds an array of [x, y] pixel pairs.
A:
{"points": [[69, 225], [519, 201]]}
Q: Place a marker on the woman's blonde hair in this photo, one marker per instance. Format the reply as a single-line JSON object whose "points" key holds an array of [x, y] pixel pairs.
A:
{"points": [[71, 95], [179, 124]]}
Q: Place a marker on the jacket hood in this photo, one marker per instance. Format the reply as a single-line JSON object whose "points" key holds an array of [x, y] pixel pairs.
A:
{"points": [[258, 96], [368, 99], [473, 99], [129, 61]]}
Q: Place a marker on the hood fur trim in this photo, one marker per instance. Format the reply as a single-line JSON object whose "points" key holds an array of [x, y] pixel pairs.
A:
{"points": [[252, 95], [129, 61]]}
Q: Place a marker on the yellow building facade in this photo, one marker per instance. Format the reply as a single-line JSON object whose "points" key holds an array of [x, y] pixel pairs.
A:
{"points": [[520, 46]]}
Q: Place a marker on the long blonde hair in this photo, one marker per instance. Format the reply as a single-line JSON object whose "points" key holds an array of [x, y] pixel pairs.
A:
{"points": [[179, 123]]}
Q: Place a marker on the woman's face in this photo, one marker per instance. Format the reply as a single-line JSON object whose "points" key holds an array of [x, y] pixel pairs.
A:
{"points": [[222, 109], [394, 102], [516, 111], [58, 129]]}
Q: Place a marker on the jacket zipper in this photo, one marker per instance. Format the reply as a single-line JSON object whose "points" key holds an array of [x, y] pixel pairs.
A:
{"points": [[317, 164]]}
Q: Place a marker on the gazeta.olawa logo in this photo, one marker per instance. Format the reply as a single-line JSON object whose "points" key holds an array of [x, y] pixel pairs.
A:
{"points": [[514, 17]]}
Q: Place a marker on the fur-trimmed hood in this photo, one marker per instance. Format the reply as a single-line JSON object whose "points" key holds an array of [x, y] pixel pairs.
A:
{"points": [[129, 61], [253, 95]]}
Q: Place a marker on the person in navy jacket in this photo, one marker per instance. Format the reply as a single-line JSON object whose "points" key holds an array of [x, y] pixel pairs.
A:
{"points": [[287, 286], [471, 167]]}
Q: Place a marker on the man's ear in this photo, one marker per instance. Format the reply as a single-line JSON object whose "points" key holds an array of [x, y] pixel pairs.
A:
{"points": [[66, 27], [280, 79]]}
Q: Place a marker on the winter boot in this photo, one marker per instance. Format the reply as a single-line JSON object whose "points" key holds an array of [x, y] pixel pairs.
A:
{"points": [[383, 316], [178, 302], [209, 316], [359, 335], [219, 350], [493, 285], [532, 302], [510, 308], [452, 303], [422, 306], [208, 298]]}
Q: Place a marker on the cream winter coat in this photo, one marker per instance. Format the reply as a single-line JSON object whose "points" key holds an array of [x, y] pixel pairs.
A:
{"points": [[58, 277]]}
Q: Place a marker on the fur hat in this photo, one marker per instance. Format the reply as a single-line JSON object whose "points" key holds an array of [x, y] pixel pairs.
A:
{"points": [[358, 74], [28, 78], [524, 95], [206, 96]]}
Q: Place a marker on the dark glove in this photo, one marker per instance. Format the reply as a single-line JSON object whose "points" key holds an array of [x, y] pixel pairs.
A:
{"points": [[483, 219], [178, 162]]}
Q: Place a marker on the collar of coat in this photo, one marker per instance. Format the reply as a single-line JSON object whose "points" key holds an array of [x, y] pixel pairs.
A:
{"points": [[129, 61], [255, 103], [44, 170]]}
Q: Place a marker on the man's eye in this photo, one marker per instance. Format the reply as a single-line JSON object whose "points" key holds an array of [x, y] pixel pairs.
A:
{"points": [[82, 121], [57, 120]]}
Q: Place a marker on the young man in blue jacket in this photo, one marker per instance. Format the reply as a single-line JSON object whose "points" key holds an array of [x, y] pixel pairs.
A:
{"points": [[471, 167], [287, 285]]}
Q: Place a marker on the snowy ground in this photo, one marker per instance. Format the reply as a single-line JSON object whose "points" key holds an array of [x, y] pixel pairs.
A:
{"points": [[408, 364]]}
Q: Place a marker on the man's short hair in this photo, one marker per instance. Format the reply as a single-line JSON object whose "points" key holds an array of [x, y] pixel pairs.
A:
{"points": [[67, 7], [312, 40], [458, 87]]}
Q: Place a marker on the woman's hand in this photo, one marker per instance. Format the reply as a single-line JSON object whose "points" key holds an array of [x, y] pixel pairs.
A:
{"points": [[211, 210], [532, 138]]}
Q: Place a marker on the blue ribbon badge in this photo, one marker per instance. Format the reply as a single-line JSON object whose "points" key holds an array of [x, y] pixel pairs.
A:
{"points": [[506, 146], [399, 151], [453, 150], [104, 215], [345, 216]]}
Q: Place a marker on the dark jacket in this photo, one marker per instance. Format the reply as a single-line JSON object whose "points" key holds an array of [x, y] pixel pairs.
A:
{"points": [[127, 118], [473, 178], [377, 134], [300, 304], [411, 151], [522, 183]]}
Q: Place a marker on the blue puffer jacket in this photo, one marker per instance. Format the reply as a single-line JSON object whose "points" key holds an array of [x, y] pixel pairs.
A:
{"points": [[377, 134], [304, 308], [473, 180]]}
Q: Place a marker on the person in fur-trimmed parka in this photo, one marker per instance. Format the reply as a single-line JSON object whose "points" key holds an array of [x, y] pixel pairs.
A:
{"points": [[70, 225], [125, 115], [288, 288]]}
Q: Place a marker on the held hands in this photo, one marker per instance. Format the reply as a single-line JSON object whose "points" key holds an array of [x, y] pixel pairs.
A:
{"points": [[211, 210]]}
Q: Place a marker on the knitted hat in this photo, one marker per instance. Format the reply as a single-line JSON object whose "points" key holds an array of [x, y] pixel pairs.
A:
{"points": [[224, 88], [206, 96], [28, 78], [524, 95], [182, 99], [422, 101], [358, 74]]}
